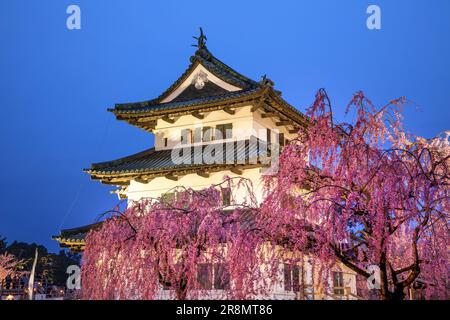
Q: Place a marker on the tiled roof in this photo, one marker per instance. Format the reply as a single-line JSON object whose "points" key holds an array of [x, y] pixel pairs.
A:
{"points": [[75, 236], [177, 104], [75, 239], [152, 160], [209, 89], [214, 65], [222, 70], [210, 97]]}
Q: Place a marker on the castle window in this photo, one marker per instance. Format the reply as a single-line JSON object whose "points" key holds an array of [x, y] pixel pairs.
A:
{"points": [[204, 276], [224, 131], [226, 197], [213, 276], [291, 277], [269, 136], [165, 142], [338, 283], [186, 136], [207, 134], [198, 135], [281, 139], [269, 141]]}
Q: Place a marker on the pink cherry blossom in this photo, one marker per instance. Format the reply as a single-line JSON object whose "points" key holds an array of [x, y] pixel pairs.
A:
{"points": [[362, 194]]}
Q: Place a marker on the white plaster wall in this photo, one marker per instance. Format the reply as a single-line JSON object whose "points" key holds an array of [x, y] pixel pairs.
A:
{"points": [[160, 185], [242, 122], [260, 124], [245, 124]]}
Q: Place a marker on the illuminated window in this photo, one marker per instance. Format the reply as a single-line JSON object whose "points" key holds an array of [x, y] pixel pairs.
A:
{"points": [[226, 197], [186, 136], [207, 134], [198, 135], [281, 140], [338, 283], [204, 276], [291, 277], [269, 136], [213, 276], [224, 131], [221, 277]]}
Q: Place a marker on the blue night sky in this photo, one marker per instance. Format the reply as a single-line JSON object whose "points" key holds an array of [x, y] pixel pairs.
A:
{"points": [[56, 84]]}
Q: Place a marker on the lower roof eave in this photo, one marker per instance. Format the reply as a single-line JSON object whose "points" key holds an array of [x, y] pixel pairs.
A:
{"points": [[124, 178], [75, 238]]}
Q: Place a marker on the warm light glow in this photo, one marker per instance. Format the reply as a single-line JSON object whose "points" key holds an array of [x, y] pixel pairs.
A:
{"points": [[10, 297]]}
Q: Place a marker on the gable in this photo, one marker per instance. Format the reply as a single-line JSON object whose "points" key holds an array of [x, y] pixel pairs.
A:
{"points": [[200, 83]]}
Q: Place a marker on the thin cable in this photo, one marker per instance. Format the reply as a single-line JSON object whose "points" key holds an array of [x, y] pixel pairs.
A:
{"points": [[83, 183]]}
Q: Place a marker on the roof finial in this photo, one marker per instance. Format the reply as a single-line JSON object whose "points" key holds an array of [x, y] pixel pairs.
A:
{"points": [[201, 40], [266, 81]]}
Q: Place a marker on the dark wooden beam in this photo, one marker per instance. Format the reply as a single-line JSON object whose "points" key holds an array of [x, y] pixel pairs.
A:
{"points": [[198, 115], [122, 196], [144, 124], [143, 179], [140, 180], [268, 114], [115, 183], [236, 171], [261, 102], [203, 174], [295, 130], [254, 108], [283, 123], [229, 110], [171, 177], [168, 120]]}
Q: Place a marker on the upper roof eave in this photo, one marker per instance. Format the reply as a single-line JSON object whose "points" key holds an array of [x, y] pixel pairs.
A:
{"points": [[162, 107], [206, 59]]}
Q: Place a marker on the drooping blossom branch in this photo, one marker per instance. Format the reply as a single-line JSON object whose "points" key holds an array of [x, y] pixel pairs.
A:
{"points": [[158, 247], [362, 194], [370, 193]]}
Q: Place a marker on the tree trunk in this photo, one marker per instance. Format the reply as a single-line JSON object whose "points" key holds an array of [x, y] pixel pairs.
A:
{"points": [[398, 294], [181, 294], [181, 291]]}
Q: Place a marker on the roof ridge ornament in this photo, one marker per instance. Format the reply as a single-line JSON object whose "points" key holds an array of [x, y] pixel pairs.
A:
{"points": [[199, 80], [266, 81], [201, 40]]}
